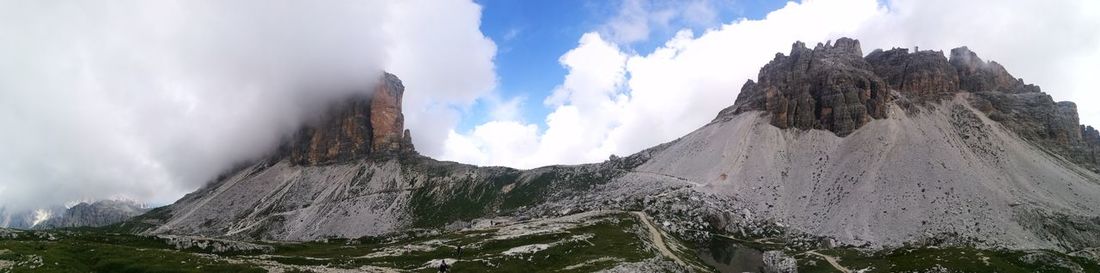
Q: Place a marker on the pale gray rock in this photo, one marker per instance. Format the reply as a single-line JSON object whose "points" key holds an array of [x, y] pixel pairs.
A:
{"points": [[778, 262], [213, 245]]}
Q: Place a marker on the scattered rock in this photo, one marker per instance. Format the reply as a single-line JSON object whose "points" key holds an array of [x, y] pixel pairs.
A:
{"points": [[777, 262], [213, 245]]}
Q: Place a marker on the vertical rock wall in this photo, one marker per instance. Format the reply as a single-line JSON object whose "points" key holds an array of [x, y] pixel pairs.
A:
{"points": [[833, 87], [358, 127]]}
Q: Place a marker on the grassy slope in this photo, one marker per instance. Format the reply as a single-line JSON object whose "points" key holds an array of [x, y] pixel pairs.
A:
{"points": [[612, 241], [88, 251]]}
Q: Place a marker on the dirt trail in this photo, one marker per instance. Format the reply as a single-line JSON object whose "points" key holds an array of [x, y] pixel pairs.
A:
{"points": [[657, 239], [831, 260]]}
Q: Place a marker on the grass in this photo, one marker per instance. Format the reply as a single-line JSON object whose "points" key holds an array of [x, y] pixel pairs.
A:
{"points": [[608, 240], [74, 254], [590, 245], [955, 259]]}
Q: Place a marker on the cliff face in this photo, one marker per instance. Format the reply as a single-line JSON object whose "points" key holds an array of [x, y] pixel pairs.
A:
{"points": [[833, 87], [830, 87], [976, 75], [359, 127], [924, 74]]}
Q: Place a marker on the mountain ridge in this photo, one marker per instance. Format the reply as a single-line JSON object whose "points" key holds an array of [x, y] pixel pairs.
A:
{"points": [[845, 168]]}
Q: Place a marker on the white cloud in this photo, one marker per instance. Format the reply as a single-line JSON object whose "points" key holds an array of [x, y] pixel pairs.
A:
{"points": [[635, 20], [445, 61], [616, 102], [150, 99]]}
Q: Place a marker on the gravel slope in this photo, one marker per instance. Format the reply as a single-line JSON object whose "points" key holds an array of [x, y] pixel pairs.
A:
{"points": [[945, 173]]}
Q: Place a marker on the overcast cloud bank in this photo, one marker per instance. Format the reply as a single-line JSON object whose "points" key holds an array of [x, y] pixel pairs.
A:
{"points": [[150, 99]]}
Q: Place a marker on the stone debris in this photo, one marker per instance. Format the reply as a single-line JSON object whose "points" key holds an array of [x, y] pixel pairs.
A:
{"points": [[778, 262], [213, 245]]}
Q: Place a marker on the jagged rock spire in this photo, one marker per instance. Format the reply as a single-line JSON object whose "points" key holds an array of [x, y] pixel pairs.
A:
{"points": [[830, 87]]}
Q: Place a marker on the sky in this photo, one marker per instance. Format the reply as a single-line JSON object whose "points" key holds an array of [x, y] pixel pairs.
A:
{"points": [[149, 100]]}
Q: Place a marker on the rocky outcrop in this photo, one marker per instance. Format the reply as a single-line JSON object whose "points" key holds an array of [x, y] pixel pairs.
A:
{"points": [[976, 75], [1024, 108], [920, 75], [359, 127], [213, 245], [95, 214], [830, 87], [1036, 117], [778, 262], [833, 87]]}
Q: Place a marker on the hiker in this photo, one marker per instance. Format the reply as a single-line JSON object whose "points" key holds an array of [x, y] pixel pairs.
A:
{"points": [[443, 267], [458, 252]]}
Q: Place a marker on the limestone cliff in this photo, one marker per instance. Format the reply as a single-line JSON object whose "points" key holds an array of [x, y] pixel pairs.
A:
{"points": [[358, 127], [833, 87], [830, 87]]}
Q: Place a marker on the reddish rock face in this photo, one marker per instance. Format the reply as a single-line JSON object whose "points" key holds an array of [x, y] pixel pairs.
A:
{"points": [[362, 126], [385, 116]]}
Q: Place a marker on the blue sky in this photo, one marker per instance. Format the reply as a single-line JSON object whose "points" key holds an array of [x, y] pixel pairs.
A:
{"points": [[532, 35]]}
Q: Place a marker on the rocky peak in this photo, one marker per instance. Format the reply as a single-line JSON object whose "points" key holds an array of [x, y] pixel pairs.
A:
{"points": [[921, 75], [833, 87], [830, 87], [843, 46], [361, 126], [976, 75]]}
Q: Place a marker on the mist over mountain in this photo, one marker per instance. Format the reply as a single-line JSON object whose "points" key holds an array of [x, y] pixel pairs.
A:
{"points": [[150, 100]]}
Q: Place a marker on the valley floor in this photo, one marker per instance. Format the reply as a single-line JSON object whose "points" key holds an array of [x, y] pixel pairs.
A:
{"points": [[597, 241]]}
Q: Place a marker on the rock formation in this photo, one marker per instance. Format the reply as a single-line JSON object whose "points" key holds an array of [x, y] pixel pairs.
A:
{"points": [[359, 127], [830, 87], [976, 75], [922, 74], [833, 87]]}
